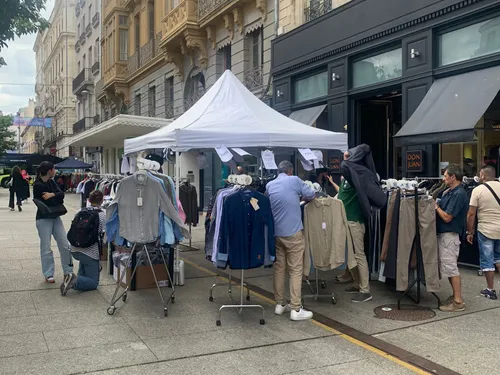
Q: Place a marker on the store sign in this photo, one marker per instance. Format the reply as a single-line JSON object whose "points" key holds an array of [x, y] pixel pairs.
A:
{"points": [[334, 163], [415, 161]]}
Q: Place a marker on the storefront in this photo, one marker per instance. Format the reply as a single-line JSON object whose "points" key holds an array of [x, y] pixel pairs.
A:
{"points": [[368, 69]]}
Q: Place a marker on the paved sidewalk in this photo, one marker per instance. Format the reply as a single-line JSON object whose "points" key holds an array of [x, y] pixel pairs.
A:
{"points": [[42, 332]]}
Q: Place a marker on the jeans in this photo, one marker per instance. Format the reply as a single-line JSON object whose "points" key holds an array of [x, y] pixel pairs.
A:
{"points": [[46, 229], [489, 252], [88, 272]]}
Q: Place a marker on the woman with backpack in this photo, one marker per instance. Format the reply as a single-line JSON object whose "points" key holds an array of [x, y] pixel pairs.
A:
{"points": [[85, 237], [49, 200]]}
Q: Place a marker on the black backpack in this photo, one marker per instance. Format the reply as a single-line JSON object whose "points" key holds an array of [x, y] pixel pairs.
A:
{"points": [[84, 230]]}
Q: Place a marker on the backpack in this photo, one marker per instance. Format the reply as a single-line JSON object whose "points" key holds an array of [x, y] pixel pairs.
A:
{"points": [[84, 230]]}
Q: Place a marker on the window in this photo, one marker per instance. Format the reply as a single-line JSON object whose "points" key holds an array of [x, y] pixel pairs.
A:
{"points": [[380, 68], [169, 97], [137, 104], [84, 61], [83, 23], [123, 45], [122, 20], [97, 49], [257, 50], [137, 35], [226, 57], [470, 42], [91, 62], [90, 11], [152, 101], [78, 31], [151, 19], [79, 67], [312, 87], [111, 50]]}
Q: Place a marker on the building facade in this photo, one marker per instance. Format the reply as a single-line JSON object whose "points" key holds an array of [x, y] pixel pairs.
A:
{"points": [[56, 69], [29, 134]]}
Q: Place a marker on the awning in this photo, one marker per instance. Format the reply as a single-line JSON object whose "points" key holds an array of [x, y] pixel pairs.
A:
{"points": [[451, 109], [307, 116], [112, 133]]}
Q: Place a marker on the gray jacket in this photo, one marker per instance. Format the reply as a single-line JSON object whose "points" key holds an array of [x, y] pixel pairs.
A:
{"points": [[140, 223]]}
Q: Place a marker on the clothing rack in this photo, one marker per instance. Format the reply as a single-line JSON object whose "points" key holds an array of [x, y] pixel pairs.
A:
{"points": [[418, 280], [130, 263]]}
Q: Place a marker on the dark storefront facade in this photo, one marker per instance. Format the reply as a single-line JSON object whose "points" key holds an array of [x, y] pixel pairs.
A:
{"points": [[369, 66]]}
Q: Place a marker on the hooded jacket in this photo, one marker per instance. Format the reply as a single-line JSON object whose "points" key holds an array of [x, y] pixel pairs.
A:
{"points": [[359, 171]]}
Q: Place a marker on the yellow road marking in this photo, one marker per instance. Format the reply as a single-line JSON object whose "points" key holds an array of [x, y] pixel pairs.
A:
{"points": [[351, 339]]}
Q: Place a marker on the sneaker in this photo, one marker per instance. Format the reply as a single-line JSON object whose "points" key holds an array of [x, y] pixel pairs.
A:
{"points": [[301, 314], [20, 208], [352, 290], [362, 297], [453, 307], [50, 280], [280, 309], [491, 294], [68, 283]]}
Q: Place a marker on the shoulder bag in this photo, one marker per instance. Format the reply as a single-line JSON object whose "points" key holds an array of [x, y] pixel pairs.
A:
{"points": [[492, 192]]}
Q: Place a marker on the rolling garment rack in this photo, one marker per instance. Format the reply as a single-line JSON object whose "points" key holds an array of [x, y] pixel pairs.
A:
{"points": [[418, 248], [190, 247]]}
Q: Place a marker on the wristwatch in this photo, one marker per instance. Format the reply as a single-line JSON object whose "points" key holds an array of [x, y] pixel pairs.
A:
{"points": [[469, 233]]}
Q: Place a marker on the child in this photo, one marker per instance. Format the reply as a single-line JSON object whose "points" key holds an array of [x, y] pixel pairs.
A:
{"points": [[88, 271]]}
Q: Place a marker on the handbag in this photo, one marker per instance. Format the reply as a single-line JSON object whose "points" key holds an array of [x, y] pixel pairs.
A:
{"points": [[51, 211]]}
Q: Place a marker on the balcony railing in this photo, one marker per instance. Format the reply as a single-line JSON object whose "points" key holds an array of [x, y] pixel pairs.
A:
{"points": [[83, 78], [78, 45], [96, 19], [97, 119], [96, 68], [169, 110], [133, 63], [205, 7], [190, 100], [77, 10], [317, 8], [253, 78], [147, 53], [83, 124], [88, 30], [82, 38]]}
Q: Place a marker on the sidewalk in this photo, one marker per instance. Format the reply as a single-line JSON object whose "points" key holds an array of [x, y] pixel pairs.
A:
{"points": [[43, 332]]}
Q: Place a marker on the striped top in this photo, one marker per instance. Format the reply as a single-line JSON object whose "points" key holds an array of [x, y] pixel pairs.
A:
{"points": [[93, 251]]}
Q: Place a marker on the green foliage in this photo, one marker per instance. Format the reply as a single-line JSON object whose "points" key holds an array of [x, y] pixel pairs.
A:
{"points": [[20, 17], [7, 138]]}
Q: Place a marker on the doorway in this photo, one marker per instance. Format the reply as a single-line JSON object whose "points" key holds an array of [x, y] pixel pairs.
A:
{"points": [[378, 119]]}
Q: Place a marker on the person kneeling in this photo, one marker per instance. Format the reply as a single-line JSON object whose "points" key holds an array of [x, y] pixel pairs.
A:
{"points": [[85, 237]]}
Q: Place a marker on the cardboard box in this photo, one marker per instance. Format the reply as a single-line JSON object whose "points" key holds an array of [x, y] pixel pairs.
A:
{"points": [[144, 276], [104, 255]]}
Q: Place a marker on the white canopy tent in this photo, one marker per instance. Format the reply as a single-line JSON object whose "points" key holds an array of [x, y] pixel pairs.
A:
{"points": [[230, 115]]}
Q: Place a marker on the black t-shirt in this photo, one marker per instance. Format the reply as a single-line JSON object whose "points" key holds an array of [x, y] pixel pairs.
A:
{"points": [[50, 186]]}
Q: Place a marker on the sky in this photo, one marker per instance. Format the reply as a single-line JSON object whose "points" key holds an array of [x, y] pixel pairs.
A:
{"points": [[17, 79]]}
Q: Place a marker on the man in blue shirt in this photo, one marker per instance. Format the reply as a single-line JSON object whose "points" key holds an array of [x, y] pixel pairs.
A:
{"points": [[285, 193], [451, 216]]}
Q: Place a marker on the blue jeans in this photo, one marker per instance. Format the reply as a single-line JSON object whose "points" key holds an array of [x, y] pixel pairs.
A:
{"points": [[489, 252], [88, 272], [46, 229]]}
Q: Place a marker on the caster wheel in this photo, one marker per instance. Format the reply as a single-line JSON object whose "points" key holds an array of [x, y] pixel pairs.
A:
{"points": [[165, 312], [172, 299], [323, 285], [124, 298], [211, 299], [248, 298], [334, 300], [262, 322], [218, 322], [111, 310]]}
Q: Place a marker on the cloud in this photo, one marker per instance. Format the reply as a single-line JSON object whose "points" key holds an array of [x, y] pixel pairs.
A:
{"points": [[17, 79]]}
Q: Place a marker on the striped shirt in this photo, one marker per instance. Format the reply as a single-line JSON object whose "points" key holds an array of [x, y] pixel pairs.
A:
{"points": [[93, 251]]}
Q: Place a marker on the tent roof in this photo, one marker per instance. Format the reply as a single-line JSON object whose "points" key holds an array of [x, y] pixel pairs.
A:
{"points": [[230, 115], [73, 164]]}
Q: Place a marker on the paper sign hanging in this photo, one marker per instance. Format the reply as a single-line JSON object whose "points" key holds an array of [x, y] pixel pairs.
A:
{"points": [[224, 153], [307, 165], [268, 160], [307, 154], [237, 157], [240, 151], [319, 156]]}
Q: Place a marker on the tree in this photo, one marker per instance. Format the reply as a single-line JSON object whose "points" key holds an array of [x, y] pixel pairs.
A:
{"points": [[7, 137], [20, 17]]}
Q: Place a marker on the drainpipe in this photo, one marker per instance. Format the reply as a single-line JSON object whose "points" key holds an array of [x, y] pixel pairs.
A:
{"points": [[276, 16]]}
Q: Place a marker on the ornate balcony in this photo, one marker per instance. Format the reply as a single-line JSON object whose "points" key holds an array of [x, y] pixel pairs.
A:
{"points": [[82, 81], [116, 74], [77, 10], [49, 111], [96, 19], [231, 10], [133, 63], [82, 38], [88, 30], [78, 45], [96, 68], [84, 124], [253, 78], [317, 9], [179, 19]]}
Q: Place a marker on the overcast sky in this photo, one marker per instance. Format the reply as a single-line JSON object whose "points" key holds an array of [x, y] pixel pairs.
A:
{"points": [[17, 79]]}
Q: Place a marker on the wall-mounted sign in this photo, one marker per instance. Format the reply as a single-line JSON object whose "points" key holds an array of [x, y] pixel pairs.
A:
{"points": [[334, 162], [415, 161]]}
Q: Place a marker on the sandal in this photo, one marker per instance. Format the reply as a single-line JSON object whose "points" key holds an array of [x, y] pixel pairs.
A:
{"points": [[50, 280]]}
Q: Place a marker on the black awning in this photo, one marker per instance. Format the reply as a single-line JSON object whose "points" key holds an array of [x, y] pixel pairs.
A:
{"points": [[451, 109], [73, 164]]}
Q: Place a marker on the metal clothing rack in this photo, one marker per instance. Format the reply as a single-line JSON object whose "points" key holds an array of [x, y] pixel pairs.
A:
{"points": [[418, 248], [241, 305], [315, 292], [131, 260]]}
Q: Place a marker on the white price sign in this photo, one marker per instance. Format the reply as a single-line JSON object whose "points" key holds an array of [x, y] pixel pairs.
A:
{"points": [[268, 160], [224, 153], [307, 154]]}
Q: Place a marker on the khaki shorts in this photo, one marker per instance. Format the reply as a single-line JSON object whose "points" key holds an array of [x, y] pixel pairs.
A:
{"points": [[449, 249]]}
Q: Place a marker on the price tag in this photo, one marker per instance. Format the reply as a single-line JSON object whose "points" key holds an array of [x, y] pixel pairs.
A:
{"points": [[268, 160], [307, 154], [323, 226], [224, 153], [254, 203]]}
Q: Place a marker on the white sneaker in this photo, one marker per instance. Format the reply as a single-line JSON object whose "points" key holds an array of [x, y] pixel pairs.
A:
{"points": [[300, 315], [280, 310]]}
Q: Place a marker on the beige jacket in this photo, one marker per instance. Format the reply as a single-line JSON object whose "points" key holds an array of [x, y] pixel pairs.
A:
{"points": [[326, 234]]}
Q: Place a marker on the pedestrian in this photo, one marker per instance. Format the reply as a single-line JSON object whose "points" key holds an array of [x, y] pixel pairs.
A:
{"points": [[451, 213], [356, 221], [285, 194], [91, 232], [50, 203], [485, 203], [26, 191], [17, 188]]}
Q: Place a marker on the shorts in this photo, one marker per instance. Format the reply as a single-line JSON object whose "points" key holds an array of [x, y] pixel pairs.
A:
{"points": [[489, 252], [449, 249]]}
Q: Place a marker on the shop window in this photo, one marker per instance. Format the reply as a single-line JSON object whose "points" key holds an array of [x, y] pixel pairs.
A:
{"points": [[379, 68], [470, 42], [312, 87]]}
